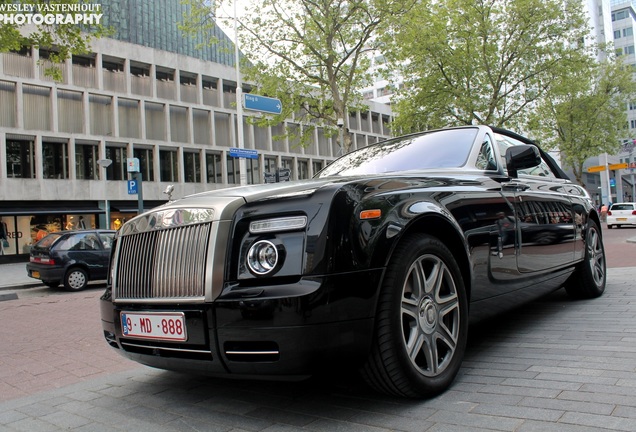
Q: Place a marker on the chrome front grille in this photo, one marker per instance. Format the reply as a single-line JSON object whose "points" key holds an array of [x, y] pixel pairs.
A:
{"points": [[160, 264]]}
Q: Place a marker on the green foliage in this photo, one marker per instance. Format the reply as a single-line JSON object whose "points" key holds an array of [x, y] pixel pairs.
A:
{"points": [[62, 40], [312, 55], [585, 115], [484, 61]]}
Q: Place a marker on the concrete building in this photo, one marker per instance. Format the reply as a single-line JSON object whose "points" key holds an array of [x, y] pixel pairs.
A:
{"points": [[144, 93]]}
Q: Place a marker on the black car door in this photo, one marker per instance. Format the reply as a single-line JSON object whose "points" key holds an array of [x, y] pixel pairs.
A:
{"points": [[546, 226], [545, 219]]}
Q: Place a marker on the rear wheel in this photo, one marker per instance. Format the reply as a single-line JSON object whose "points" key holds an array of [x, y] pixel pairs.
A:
{"points": [[588, 280], [76, 279], [421, 323]]}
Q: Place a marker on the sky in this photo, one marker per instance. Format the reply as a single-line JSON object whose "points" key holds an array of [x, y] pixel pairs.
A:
{"points": [[226, 9]]}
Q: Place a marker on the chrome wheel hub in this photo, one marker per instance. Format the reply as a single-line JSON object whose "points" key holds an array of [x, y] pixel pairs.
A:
{"points": [[428, 315]]}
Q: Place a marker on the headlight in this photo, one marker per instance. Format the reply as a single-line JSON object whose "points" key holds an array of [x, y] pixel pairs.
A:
{"points": [[262, 257]]}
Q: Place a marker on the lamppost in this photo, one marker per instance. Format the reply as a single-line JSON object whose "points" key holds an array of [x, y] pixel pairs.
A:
{"points": [[240, 141], [105, 163], [340, 123], [239, 105], [606, 174]]}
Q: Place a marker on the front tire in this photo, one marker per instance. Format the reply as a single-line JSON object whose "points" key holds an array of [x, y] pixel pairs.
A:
{"points": [[421, 323], [588, 280], [76, 279]]}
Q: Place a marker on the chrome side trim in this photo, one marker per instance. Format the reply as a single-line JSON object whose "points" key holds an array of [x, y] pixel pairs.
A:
{"points": [[163, 348]]}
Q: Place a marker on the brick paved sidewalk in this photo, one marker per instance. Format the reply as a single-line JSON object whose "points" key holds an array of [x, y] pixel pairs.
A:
{"points": [[554, 365]]}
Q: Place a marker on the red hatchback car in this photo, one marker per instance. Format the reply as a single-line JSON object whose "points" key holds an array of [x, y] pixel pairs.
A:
{"points": [[72, 258]]}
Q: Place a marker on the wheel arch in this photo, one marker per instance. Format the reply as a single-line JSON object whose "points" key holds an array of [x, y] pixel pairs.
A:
{"points": [[594, 216], [75, 265], [448, 233]]}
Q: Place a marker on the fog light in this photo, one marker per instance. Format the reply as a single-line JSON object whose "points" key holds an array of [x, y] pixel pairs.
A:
{"points": [[262, 257]]}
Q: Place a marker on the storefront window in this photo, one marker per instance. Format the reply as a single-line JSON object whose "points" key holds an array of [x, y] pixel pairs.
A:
{"points": [[24, 231]]}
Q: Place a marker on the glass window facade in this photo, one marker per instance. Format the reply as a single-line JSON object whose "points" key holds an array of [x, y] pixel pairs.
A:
{"points": [[146, 163], [169, 164], [191, 167], [117, 170], [214, 168], [20, 158], [137, 21], [55, 160], [86, 157]]}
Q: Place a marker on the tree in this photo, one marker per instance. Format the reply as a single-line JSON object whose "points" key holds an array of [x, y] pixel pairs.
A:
{"points": [[61, 40], [584, 115], [311, 54], [483, 61]]}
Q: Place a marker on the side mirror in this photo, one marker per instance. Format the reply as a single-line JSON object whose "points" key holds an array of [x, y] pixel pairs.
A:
{"points": [[521, 157]]}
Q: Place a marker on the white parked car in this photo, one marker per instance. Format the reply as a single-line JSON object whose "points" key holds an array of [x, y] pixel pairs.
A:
{"points": [[620, 214]]}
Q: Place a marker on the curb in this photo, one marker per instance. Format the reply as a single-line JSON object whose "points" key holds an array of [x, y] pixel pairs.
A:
{"points": [[9, 296], [20, 286]]}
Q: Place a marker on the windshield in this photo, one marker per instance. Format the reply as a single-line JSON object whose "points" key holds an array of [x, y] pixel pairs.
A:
{"points": [[438, 149]]}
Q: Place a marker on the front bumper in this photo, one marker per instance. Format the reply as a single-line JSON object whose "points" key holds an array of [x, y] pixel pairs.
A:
{"points": [[291, 336]]}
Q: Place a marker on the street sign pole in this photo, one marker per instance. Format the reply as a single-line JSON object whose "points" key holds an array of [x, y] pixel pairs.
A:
{"points": [[240, 143], [135, 169], [140, 195], [607, 182]]}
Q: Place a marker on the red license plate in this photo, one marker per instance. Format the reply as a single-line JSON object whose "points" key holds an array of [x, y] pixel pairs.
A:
{"points": [[169, 326]]}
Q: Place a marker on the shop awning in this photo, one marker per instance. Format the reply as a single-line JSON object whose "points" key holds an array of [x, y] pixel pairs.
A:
{"points": [[39, 208]]}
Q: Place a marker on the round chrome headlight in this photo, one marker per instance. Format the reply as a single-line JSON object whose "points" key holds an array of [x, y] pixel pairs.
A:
{"points": [[262, 257]]}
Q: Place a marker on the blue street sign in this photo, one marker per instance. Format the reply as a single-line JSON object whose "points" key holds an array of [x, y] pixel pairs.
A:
{"points": [[132, 187], [262, 103], [244, 153]]}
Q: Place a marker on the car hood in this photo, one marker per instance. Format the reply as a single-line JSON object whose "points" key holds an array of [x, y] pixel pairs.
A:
{"points": [[222, 203], [258, 192]]}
